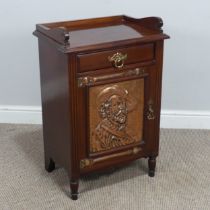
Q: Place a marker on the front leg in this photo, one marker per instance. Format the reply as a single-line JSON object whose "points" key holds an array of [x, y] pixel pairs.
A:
{"points": [[152, 164], [74, 185]]}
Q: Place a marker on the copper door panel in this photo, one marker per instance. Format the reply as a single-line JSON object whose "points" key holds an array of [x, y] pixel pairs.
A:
{"points": [[116, 114]]}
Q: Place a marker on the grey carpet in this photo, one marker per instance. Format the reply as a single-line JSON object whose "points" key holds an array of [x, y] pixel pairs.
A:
{"points": [[182, 180]]}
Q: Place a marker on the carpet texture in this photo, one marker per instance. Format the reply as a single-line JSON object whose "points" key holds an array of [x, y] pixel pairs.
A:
{"points": [[182, 179]]}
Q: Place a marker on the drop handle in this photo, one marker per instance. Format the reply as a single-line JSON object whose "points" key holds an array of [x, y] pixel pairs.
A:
{"points": [[118, 60]]}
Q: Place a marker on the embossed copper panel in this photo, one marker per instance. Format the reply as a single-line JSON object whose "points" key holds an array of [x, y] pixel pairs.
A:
{"points": [[116, 114]]}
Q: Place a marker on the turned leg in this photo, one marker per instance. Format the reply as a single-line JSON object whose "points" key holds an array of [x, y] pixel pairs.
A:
{"points": [[74, 185], [49, 164], [152, 164]]}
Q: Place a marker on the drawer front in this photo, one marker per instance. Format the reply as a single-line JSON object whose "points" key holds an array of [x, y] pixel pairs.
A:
{"points": [[115, 58], [118, 116]]}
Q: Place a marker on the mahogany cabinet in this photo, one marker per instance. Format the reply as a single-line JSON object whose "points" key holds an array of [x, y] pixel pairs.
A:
{"points": [[101, 93]]}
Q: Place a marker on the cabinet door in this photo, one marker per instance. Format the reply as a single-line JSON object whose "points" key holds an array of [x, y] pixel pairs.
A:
{"points": [[118, 115]]}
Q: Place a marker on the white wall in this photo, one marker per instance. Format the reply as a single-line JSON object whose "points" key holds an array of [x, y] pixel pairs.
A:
{"points": [[186, 78]]}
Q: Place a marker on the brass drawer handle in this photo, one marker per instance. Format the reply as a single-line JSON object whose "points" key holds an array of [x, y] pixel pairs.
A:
{"points": [[150, 112], [118, 60], [89, 80], [90, 162]]}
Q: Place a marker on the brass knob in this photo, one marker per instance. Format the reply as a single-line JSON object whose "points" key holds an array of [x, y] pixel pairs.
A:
{"points": [[118, 59]]}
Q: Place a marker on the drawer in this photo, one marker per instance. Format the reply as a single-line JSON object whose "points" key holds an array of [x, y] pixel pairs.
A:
{"points": [[115, 58]]}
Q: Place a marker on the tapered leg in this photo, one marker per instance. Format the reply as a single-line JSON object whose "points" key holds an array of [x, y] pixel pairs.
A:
{"points": [[49, 164], [152, 164], [74, 185]]}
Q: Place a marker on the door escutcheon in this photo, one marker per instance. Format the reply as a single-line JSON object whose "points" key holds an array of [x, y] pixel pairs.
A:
{"points": [[150, 112]]}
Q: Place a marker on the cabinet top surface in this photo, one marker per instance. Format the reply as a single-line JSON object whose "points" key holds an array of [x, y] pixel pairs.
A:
{"points": [[104, 34], [90, 33]]}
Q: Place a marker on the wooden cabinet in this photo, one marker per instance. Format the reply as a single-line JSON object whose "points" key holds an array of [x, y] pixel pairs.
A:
{"points": [[101, 93]]}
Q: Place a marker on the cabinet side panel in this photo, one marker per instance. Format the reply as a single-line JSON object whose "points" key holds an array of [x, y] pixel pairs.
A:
{"points": [[159, 66], [55, 103]]}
